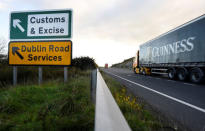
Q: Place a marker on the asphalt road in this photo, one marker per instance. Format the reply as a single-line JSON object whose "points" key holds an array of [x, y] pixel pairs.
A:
{"points": [[181, 101]]}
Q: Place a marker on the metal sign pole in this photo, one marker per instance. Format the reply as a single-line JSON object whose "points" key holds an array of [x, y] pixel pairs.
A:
{"points": [[40, 74], [65, 74], [14, 75]]}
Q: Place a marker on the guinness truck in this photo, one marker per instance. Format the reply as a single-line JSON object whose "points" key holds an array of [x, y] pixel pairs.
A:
{"points": [[179, 53]]}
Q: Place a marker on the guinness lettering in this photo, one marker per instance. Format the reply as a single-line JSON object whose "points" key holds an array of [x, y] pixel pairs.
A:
{"points": [[184, 45]]}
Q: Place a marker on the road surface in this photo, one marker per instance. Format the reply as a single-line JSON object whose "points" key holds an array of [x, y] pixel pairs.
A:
{"points": [[182, 101]]}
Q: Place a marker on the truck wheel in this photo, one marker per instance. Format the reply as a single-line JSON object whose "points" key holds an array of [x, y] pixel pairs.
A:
{"points": [[172, 73], [196, 75], [182, 74], [144, 72]]}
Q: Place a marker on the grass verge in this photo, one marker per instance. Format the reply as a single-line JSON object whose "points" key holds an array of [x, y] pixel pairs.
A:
{"points": [[51, 106], [132, 108]]}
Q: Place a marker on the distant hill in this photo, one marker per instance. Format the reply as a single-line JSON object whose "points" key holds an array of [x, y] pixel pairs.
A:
{"points": [[127, 63]]}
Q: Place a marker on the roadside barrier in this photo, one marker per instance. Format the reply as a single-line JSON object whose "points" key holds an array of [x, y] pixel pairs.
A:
{"points": [[108, 116]]}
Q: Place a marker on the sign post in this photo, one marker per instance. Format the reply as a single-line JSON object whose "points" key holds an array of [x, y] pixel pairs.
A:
{"points": [[40, 75], [14, 75], [65, 74]]}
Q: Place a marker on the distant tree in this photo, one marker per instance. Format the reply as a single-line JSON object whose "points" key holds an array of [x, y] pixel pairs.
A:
{"points": [[2, 45], [84, 63], [3, 55]]}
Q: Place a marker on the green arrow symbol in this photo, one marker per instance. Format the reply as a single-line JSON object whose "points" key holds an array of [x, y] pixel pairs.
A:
{"points": [[15, 51]]}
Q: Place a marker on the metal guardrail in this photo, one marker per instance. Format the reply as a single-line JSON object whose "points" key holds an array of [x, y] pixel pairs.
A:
{"points": [[108, 116]]}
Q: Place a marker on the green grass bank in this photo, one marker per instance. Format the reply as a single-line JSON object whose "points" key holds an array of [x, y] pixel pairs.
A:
{"points": [[51, 106]]}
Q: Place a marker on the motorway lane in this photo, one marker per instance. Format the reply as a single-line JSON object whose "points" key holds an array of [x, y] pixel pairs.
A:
{"points": [[185, 102]]}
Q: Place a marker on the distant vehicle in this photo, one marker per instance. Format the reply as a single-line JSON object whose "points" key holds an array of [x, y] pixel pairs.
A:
{"points": [[106, 66], [180, 53]]}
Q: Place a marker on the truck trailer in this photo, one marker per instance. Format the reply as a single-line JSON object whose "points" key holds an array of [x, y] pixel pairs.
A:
{"points": [[178, 53]]}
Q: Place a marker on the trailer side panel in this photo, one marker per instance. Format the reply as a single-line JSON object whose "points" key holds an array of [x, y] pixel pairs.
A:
{"points": [[185, 45]]}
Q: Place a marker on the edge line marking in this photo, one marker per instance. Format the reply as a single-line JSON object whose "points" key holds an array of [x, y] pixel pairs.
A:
{"points": [[165, 95]]}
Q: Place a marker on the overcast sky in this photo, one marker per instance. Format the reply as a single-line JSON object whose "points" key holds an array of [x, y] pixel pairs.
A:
{"points": [[111, 30]]}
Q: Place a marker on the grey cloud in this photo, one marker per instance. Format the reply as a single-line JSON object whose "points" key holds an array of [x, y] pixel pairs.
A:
{"points": [[138, 25]]}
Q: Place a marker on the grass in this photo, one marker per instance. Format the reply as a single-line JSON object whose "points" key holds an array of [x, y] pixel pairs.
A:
{"points": [[51, 106], [133, 109]]}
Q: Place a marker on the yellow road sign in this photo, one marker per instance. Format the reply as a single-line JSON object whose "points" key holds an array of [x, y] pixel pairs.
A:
{"points": [[40, 53]]}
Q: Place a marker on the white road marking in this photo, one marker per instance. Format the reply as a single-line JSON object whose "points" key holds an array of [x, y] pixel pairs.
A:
{"points": [[171, 80], [189, 84], [165, 95]]}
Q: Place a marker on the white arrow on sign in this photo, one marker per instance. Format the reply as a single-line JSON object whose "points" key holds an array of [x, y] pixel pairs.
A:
{"points": [[16, 23]]}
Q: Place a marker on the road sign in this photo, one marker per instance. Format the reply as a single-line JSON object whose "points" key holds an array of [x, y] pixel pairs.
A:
{"points": [[38, 25], [40, 53]]}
